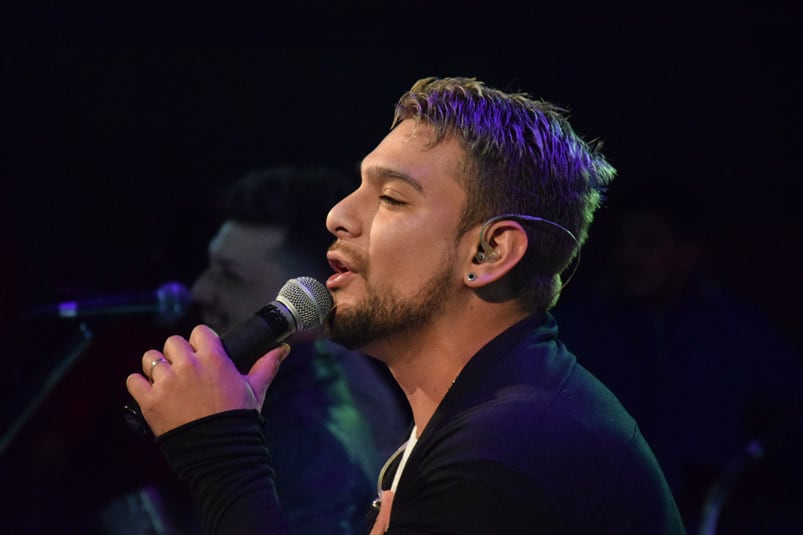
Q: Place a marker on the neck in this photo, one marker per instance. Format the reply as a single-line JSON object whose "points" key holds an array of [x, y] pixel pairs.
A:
{"points": [[427, 362]]}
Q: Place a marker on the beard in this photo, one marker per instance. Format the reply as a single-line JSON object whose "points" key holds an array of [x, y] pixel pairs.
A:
{"points": [[384, 313]]}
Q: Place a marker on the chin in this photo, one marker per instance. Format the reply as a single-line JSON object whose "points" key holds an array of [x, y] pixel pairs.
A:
{"points": [[216, 324], [344, 335]]}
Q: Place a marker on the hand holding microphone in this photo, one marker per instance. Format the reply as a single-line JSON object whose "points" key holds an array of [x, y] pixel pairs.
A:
{"points": [[205, 374]]}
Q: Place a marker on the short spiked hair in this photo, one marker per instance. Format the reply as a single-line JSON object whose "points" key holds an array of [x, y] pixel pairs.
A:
{"points": [[523, 157]]}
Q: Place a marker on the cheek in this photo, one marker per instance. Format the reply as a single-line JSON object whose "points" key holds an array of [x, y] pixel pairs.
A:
{"points": [[243, 298], [242, 306], [393, 245]]}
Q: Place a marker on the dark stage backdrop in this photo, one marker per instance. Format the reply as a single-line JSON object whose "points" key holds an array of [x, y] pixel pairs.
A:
{"points": [[120, 120]]}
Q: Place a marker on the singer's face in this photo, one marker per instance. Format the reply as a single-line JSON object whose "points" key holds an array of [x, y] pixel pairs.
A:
{"points": [[243, 273], [397, 241]]}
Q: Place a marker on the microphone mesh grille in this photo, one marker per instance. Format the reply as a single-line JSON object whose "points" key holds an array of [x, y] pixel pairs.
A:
{"points": [[310, 299]]}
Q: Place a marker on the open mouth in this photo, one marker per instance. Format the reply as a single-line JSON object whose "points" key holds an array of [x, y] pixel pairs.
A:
{"points": [[338, 266], [341, 273]]}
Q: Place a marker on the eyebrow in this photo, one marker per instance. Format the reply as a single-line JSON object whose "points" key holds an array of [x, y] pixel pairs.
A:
{"points": [[378, 171]]}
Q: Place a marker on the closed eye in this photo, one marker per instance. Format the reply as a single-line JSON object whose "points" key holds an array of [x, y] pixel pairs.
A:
{"points": [[391, 201]]}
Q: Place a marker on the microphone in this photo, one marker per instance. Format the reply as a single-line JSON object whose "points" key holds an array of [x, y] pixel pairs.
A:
{"points": [[302, 304], [169, 302]]}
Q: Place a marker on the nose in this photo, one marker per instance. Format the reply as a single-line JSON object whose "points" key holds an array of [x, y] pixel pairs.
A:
{"points": [[342, 219], [201, 290]]}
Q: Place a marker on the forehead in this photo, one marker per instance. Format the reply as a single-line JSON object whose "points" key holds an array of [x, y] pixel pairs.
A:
{"points": [[407, 153], [246, 242]]}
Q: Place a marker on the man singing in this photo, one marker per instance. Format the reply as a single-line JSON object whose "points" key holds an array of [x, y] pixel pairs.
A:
{"points": [[447, 260]]}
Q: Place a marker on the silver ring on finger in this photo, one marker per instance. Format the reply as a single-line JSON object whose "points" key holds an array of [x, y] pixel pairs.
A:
{"points": [[156, 362]]}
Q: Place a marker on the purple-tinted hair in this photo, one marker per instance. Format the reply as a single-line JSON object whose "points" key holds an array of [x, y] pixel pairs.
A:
{"points": [[523, 158]]}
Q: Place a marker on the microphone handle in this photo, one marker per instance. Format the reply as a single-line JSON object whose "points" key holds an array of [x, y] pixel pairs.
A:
{"points": [[244, 344], [257, 335]]}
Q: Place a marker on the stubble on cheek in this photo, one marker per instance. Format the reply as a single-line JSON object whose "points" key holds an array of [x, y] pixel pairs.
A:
{"points": [[383, 312]]}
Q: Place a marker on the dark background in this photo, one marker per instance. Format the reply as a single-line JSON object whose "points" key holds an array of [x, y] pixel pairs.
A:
{"points": [[121, 120]]}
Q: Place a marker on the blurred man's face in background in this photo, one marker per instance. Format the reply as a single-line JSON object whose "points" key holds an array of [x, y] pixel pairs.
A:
{"points": [[652, 261], [245, 272]]}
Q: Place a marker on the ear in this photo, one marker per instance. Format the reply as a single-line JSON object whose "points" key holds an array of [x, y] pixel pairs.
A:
{"points": [[507, 241]]}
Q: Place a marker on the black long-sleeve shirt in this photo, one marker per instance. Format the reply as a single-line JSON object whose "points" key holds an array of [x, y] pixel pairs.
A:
{"points": [[526, 440]]}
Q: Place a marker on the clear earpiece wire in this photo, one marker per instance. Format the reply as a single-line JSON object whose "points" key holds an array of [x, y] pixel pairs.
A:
{"points": [[488, 252]]}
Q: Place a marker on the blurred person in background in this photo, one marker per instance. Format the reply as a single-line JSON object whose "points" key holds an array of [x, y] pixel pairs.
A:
{"points": [[704, 372], [332, 415]]}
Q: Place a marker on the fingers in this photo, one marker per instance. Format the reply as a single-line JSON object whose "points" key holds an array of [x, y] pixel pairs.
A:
{"points": [[193, 378], [203, 336], [138, 386], [264, 370], [150, 362], [160, 360], [176, 352]]}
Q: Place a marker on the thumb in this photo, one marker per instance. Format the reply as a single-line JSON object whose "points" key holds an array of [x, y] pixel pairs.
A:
{"points": [[264, 370]]}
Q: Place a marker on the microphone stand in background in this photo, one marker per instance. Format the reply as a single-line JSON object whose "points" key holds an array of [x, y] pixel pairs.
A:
{"points": [[74, 349], [167, 305], [778, 447], [721, 490]]}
